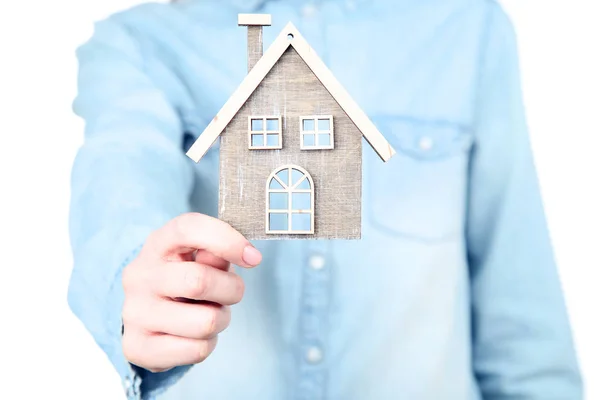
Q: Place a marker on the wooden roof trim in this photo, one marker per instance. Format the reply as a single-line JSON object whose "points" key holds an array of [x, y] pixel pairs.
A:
{"points": [[290, 36]]}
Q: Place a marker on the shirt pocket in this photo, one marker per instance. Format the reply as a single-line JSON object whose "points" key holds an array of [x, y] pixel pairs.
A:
{"points": [[419, 193]]}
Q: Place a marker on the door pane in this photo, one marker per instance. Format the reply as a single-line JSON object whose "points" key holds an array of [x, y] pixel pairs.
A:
{"points": [[278, 222], [300, 201], [284, 176], [275, 185], [304, 184], [301, 222], [278, 201], [296, 176]]}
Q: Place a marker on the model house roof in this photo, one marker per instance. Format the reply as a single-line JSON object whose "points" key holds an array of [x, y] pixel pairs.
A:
{"points": [[290, 36]]}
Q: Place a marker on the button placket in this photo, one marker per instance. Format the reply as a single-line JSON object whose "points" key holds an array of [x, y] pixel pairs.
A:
{"points": [[312, 351], [313, 323]]}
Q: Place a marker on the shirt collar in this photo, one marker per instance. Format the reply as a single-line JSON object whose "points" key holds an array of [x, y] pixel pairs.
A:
{"points": [[249, 6]]}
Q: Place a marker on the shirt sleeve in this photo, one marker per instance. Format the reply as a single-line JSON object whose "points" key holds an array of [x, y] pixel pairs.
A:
{"points": [[129, 178], [522, 341]]}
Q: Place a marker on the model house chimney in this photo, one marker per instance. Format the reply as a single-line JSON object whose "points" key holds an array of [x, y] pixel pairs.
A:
{"points": [[254, 22]]}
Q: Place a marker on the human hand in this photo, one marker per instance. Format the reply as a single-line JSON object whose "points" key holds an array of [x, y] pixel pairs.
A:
{"points": [[178, 289]]}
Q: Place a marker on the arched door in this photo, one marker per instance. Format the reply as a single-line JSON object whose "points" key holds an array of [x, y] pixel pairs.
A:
{"points": [[290, 205]]}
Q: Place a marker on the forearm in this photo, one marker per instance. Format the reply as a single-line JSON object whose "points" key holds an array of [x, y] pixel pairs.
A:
{"points": [[129, 178], [522, 346], [123, 189]]}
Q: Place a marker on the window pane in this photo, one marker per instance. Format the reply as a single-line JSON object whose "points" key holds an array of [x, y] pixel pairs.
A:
{"points": [[257, 124], [301, 222], [300, 201], [309, 140], [272, 124], [258, 140], [324, 140], [278, 222], [275, 185], [273, 140], [296, 176], [278, 201], [324, 125], [305, 184], [308, 124], [284, 176]]}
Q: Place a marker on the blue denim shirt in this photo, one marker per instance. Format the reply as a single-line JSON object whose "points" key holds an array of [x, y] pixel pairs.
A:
{"points": [[451, 294]]}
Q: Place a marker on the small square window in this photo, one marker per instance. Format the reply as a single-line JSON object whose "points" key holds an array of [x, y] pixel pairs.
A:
{"points": [[316, 132], [308, 125], [278, 222], [265, 132], [273, 125], [308, 140], [273, 140], [257, 125], [324, 125]]}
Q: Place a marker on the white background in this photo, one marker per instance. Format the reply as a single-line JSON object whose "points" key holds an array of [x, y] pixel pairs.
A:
{"points": [[45, 352]]}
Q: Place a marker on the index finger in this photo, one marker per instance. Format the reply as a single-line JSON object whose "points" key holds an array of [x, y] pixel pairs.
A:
{"points": [[199, 231]]}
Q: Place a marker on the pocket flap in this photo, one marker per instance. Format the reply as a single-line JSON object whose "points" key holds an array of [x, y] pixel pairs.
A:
{"points": [[424, 139]]}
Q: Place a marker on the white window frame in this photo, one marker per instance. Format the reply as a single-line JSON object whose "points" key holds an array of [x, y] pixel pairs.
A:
{"points": [[290, 190], [265, 132], [317, 132]]}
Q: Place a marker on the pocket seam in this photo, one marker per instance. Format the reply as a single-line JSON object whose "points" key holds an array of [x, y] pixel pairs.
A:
{"points": [[452, 144]]}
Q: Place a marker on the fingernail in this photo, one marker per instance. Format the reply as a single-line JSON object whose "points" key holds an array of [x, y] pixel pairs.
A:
{"points": [[251, 256]]}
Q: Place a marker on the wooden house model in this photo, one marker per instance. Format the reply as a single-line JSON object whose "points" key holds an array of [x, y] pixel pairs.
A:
{"points": [[291, 144]]}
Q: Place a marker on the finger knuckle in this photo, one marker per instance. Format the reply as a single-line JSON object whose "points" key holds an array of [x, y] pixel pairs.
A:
{"points": [[179, 225], [127, 313], [130, 350], [199, 280], [211, 321], [200, 352], [128, 277], [239, 289], [226, 316], [151, 240]]}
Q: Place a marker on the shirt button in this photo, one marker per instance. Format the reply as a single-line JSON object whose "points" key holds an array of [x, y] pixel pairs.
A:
{"points": [[309, 10], [317, 262], [314, 355], [426, 143]]}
